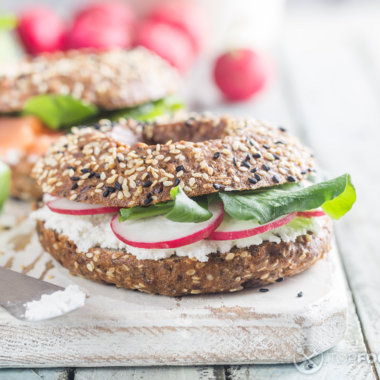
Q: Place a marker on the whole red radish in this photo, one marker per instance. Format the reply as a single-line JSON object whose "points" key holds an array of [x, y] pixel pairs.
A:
{"points": [[166, 41], [240, 74], [85, 32], [40, 30], [114, 12], [186, 15]]}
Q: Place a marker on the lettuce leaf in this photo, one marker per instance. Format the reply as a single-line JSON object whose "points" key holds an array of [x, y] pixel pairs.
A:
{"points": [[264, 205], [180, 209], [59, 110], [5, 183]]}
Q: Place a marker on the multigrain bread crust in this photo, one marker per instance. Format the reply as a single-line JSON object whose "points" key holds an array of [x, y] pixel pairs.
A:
{"points": [[22, 185], [109, 80], [225, 153], [230, 272]]}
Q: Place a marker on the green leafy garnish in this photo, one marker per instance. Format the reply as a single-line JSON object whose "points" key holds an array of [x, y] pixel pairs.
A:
{"points": [[59, 110], [185, 210], [180, 209], [264, 205], [5, 183], [7, 21]]}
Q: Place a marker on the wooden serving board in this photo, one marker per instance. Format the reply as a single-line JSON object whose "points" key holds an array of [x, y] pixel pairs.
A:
{"points": [[119, 327]]}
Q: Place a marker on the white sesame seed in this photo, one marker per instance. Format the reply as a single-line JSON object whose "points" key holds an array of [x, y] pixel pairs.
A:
{"points": [[167, 159], [197, 175], [187, 188], [269, 156], [73, 197], [243, 169], [180, 173], [192, 181], [168, 183], [159, 157], [99, 185]]}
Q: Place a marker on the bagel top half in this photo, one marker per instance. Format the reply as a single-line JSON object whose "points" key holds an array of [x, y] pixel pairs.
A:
{"points": [[110, 80], [202, 154]]}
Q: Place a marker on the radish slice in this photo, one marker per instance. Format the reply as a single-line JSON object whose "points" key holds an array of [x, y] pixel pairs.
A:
{"points": [[65, 206], [157, 232], [233, 229], [311, 213]]}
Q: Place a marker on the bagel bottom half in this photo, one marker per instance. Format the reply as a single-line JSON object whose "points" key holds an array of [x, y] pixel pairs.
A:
{"points": [[253, 266]]}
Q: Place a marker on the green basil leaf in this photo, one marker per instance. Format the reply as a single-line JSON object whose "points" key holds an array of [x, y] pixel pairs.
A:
{"points": [[145, 212], [186, 210], [5, 183], [59, 110], [335, 196]]}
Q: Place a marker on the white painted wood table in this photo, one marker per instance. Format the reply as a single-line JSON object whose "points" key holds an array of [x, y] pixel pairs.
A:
{"points": [[327, 91]]}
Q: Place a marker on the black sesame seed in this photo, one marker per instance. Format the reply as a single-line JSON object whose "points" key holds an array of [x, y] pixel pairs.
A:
{"points": [[216, 155], [312, 155], [149, 195], [97, 126], [276, 156], [264, 290], [304, 172], [187, 123], [59, 151], [147, 183], [118, 186], [246, 164], [291, 179], [84, 171], [71, 167], [276, 179], [91, 175], [252, 180], [148, 200], [65, 146], [74, 178], [143, 157], [106, 193], [280, 279], [251, 142], [282, 129], [216, 186], [254, 170], [97, 175], [177, 181], [234, 161], [118, 159], [256, 155], [300, 294], [279, 142], [248, 157], [266, 146], [179, 168], [257, 177], [74, 186], [111, 189]]}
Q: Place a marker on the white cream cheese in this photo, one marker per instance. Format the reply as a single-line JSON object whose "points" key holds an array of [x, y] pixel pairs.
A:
{"points": [[92, 231]]}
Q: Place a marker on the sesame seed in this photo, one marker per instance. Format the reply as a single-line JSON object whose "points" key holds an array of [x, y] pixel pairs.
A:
{"points": [[300, 294], [147, 183], [74, 178], [177, 181], [256, 155], [269, 156], [106, 193], [266, 146], [168, 183], [74, 186], [280, 279], [179, 168], [264, 290], [84, 171], [226, 152], [73, 197], [252, 180], [71, 167], [148, 200], [118, 186], [111, 189], [276, 156], [282, 129], [304, 172], [257, 177], [266, 168], [187, 188], [192, 181], [254, 170], [216, 186], [216, 155], [291, 179], [243, 169], [246, 164], [234, 161], [276, 179]]}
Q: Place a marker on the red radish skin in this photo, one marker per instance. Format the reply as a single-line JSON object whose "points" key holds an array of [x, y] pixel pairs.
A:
{"points": [[222, 232], [311, 214], [186, 15], [240, 74], [166, 41], [127, 233], [67, 207], [41, 30]]}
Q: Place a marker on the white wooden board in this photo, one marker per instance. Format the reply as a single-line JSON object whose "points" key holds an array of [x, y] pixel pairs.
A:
{"points": [[118, 327]]}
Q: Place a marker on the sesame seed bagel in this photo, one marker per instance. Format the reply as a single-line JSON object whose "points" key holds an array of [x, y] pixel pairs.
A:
{"points": [[208, 153], [109, 79], [233, 271]]}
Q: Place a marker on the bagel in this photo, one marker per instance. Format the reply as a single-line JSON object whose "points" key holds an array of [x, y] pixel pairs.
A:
{"points": [[225, 154], [112, 81], [118, 164]]}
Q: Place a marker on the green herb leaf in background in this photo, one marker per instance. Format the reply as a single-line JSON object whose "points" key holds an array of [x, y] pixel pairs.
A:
{"points": [[5, 183], [145, 212], [7, 21], [59, 110], [264, 205]]}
